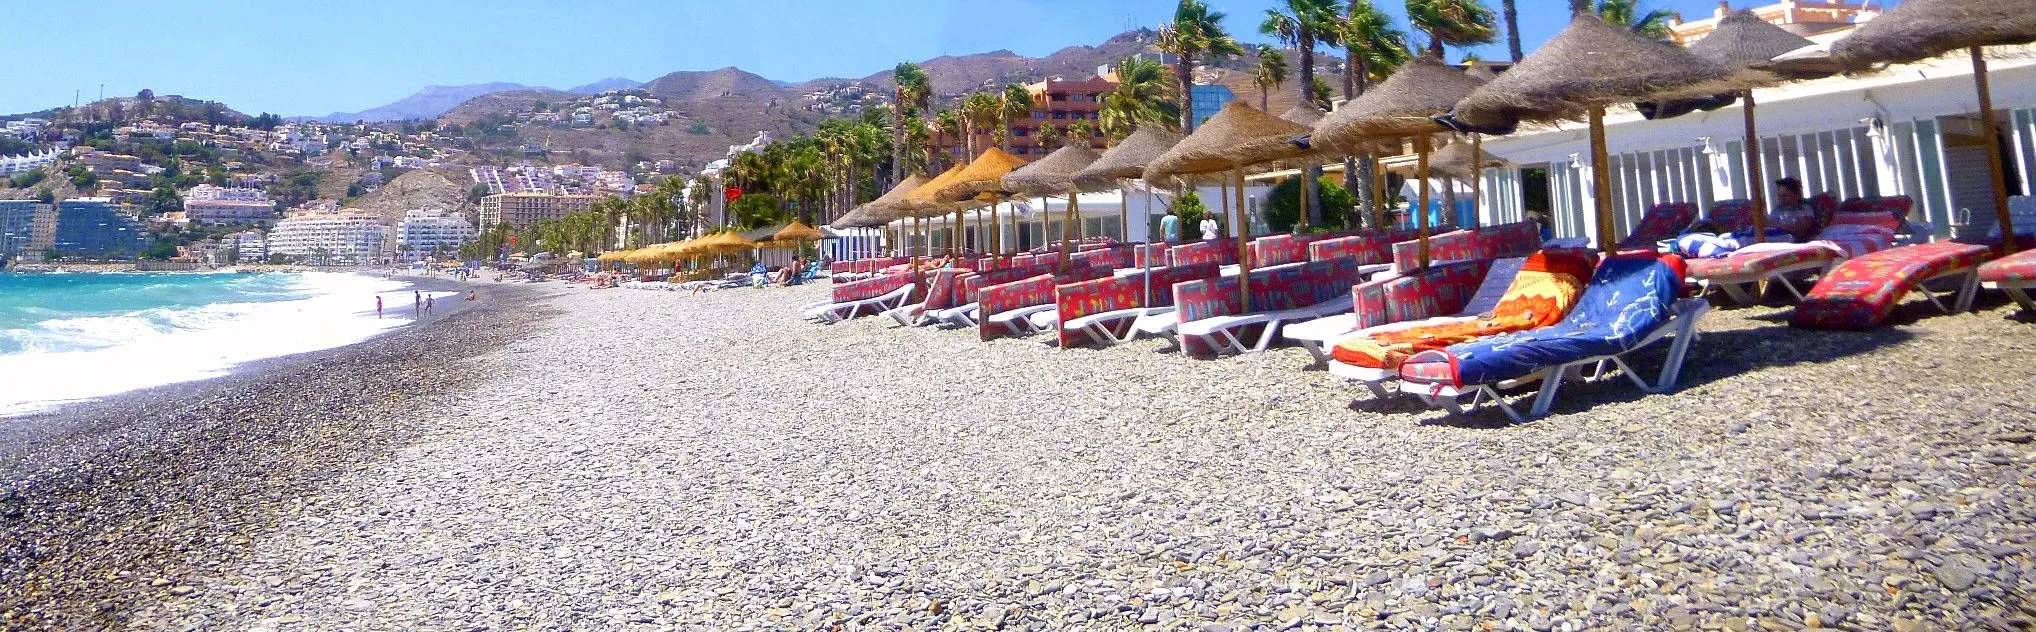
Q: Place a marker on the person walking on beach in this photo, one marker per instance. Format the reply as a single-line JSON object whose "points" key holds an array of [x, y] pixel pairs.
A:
{"points": [[417, 307], [378, 306], [1170, 227], [428, 300]]}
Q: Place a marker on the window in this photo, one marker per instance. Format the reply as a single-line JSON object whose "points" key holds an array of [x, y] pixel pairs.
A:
{"points": [[1059, 115], [1020, 132], [1037, 115], [1059, 97]]}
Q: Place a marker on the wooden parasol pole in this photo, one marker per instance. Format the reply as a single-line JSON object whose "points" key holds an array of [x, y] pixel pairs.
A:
{"points": [[1378, 192], [1421, 144], [1756, 181], [1067, 230], [1991, 134], [1477, 176], [960, 224], [1302, 180], [1601, 175], [996, 245], [1243, 242]]}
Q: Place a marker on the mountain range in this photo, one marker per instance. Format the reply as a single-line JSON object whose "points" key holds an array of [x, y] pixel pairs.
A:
{"points": [[434, 101]]}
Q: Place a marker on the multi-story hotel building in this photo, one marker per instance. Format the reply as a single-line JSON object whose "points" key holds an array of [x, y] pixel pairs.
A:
{"points": [[424, 232], [1059, 103], [17, 227], [210, 204], [16, 165], [250, 246], [342, 237], [520, 210], [94, 227]]}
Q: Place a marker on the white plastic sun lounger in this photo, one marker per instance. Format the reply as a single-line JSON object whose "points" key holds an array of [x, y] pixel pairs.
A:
{"points": [[963, 316], [837, 312], [1117, 327], [1681, 328], [1221, 332], [1023, 321]]}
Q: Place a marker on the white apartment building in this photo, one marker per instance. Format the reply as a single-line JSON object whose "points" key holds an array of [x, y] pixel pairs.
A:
{"points": [[342, 237], [206, 203], [12, 165], [251, 245], [428, 231]]}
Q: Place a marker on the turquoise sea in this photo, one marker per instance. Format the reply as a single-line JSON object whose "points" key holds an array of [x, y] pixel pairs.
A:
{"points": [[74, 336]]}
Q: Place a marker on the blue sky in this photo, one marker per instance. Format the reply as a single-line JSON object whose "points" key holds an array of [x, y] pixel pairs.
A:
{"points": [[312, 58]]}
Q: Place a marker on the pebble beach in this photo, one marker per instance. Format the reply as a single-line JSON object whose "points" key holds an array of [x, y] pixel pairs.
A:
{"points": [[634, 460]]}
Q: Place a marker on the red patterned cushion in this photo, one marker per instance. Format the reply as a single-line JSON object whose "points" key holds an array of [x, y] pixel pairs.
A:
{"points": [[1662, 221], [1739, 264], [1731, 216], [1860, 293], [2014, 271]]}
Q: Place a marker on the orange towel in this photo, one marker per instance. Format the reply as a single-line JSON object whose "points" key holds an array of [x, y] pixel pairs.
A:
{"points": [[1544, 292]]}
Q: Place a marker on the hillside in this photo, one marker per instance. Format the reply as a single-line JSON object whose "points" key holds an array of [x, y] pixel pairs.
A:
{"points": [[965, 73], [502, 102], [689, 85], [416, 189]]}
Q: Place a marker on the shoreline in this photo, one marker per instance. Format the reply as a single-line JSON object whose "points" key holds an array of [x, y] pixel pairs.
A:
{"points": [[100, 500]]}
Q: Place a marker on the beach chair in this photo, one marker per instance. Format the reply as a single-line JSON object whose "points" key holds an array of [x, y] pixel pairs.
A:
{"points": [[1027, 306], [1213, 320], [1860, 227], [1631, 304], [866, 296], [2015, 275], [1860, 293], [1661, 222], [1107, 311]]}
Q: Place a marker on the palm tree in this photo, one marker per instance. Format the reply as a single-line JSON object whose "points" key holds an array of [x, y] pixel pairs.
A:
{"points": [[949, 125], [1579, 7], [911, 93], [1306, 23], [1374, 48], [1511, 14], [1653, 24], [1082, 132], [980, 113], [1143, 97], [1016, 102], [1194, 32], [1452, 23], [1270, 73], [1048, 136]]}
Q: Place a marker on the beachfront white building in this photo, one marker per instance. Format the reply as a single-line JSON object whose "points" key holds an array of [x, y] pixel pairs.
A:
{"points": [[210, 204], [423, 232], [340, 237], [250, 246], [1911, 130], [17, 226]]}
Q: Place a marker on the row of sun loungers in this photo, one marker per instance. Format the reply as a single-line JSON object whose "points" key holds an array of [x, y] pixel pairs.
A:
{"points": [[1469, 343]]}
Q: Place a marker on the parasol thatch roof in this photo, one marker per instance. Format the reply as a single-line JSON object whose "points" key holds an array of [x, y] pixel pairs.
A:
{"points": [[1459, 160], [1480, 72], [1054, 174], [1589, 65], [1920, 29], [1400, 106], [1127, 161], [887, 208], [985, 174], [798, 231], [1747, 44], [1236, 136], [1302, 114], [922, 202]]}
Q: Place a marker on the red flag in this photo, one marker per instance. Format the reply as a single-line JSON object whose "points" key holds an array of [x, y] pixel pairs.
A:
{"points": [[732, 193], [512, 240]]}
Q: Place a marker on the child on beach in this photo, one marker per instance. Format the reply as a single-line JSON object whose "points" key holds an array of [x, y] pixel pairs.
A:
{"points": [[378, 306]]}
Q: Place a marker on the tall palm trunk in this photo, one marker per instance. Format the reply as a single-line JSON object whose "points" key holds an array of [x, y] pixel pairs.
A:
{"points": [[1184, 74], [1313, 185], [1579, 7], [1512, 16], [897, 139], [1352, 69]]}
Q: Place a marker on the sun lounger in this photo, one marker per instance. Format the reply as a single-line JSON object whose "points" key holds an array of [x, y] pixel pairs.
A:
{"points": [[837, 312], [1859, 294], [1212, 319], [1661, 222], [1455, 290], [1861, 226], [2015, 275], [1106, 311], [1631, 303]]}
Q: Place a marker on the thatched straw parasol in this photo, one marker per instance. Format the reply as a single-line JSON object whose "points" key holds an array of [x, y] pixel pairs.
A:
{"points": [[885, 209], [1462, 158], [1588, 67], [1237, 136], [1127, 160], [1404, 105], [1055, 175], [980, 182], [1744, 43], [1920, 29], [798, 231], [1302, 114]]}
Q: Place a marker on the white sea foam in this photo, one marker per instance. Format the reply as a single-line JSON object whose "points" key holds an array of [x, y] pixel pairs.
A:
{"points": [[74, 359]]}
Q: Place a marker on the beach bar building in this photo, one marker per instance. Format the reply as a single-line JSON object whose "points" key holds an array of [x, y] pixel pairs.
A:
{"points": [[1910, 130]]}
